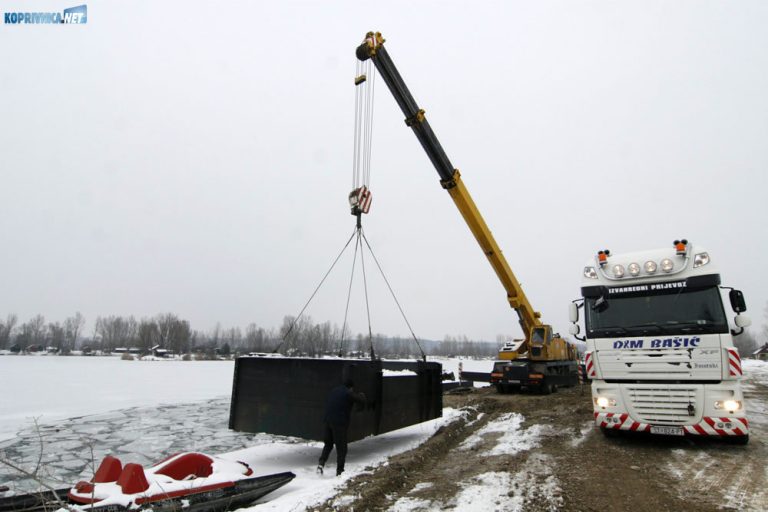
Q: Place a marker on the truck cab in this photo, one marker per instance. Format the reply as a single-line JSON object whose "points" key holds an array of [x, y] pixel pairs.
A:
{"points": [[660, 350]]}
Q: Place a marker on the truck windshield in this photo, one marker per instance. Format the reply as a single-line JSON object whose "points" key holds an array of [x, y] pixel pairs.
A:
{"points": [[686, 311]]}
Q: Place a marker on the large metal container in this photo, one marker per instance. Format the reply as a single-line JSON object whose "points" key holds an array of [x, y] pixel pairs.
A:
{"points": [[286, 396]]}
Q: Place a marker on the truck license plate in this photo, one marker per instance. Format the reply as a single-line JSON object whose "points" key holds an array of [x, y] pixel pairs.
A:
{"points": [[667, 431], [513, 381]]}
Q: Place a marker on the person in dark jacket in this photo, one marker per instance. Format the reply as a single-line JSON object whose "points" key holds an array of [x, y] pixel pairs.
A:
{"points": [[338, 409]]}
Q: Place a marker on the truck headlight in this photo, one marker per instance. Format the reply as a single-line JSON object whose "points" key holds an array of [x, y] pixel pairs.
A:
{"points": [[590, 273], [618, 270], [700, 259], [650, 267], [728, 405], [634, 269], [604, 401], [667, 265]]}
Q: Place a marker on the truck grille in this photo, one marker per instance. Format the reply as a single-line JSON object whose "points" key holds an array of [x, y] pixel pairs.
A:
{"points": [[660, 404]]}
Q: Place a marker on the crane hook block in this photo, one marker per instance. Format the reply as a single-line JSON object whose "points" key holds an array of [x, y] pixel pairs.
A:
{"points": [[360, 200]]}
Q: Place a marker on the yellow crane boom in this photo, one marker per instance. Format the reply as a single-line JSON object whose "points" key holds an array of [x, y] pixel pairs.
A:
{"points": [[539, 343]]}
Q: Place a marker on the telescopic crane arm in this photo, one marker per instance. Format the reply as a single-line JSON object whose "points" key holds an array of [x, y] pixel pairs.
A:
{"points": [[450, 178]]}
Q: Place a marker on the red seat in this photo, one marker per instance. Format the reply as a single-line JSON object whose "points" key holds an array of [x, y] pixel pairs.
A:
{"points": [[132, 479], [188, 465], [109, 470]]}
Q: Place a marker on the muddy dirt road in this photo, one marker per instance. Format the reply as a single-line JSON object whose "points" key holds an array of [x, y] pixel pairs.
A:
{"points": [[536, 453]]}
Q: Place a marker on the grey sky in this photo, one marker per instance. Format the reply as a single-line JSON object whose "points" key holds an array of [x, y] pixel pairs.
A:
{"points": [[195, 157]]}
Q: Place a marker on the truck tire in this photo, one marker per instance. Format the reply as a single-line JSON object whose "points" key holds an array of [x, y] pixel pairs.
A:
{"points": [[609, 432], [742, 440]]}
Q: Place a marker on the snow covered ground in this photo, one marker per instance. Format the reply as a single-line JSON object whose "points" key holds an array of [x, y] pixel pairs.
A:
{"points": [[144, 409], [755, 370], [140, 410]]}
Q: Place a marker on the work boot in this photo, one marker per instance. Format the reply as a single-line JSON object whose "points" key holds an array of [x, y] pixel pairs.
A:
{"points": [[319, 469], [339, 472]]}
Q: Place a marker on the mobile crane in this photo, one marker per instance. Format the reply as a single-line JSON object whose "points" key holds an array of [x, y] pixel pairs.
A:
{"points": [[542, 360]]}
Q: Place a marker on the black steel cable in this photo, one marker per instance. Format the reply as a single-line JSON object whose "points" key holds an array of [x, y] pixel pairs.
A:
{"points": [[367, 307], [423, 355], [349, 292], [290, 329]]}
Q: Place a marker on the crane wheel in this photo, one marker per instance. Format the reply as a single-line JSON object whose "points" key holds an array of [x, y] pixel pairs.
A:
{"points": [[547, 388]]}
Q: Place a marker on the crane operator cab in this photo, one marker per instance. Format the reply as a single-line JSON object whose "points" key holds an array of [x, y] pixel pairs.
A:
{"points": [[541, 337]]}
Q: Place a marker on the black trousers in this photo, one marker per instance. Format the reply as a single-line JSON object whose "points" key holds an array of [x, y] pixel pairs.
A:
{"points": [[335, 434]]}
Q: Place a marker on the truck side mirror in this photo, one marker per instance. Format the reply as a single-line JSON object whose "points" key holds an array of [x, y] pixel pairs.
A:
{"points": [[574, 329], [573, 313], [737, 301]]}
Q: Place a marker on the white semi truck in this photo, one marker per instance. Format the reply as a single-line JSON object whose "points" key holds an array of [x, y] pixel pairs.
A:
{"points": [[659, 349]]}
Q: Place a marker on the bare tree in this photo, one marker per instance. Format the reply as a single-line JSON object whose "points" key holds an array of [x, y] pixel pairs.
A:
{"points": [[174, 332], [6, 330], [32, 333], [234, 337], [73, 327], [255, 339], [148, 334], [116, 331], [56, 336]]}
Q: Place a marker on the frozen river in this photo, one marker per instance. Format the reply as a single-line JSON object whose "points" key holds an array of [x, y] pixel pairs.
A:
{"points": [[52, 388]]}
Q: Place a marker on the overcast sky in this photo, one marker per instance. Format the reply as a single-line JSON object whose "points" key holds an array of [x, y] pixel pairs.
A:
{"points": [[195, 157]]}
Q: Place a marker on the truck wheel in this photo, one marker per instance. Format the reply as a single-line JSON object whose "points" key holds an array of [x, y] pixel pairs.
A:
{"points": [[500, 388], [609, 432]]}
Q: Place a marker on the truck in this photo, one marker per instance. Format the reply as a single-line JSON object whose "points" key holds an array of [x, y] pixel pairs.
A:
{"points": [[659, 349], [542, 360]]}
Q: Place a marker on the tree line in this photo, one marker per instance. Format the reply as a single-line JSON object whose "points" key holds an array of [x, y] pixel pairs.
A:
{"points": [[302, 337]]}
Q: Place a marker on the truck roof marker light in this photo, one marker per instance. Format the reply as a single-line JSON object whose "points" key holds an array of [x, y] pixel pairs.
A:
{"points": [[590, 273], [667, 265], [650, 267], [602, 256], [681, 246], [618, 270], [634, 269], [700, 259]]}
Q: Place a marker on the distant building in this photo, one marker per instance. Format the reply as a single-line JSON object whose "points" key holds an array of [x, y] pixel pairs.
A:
{"points": [[761, 353], [160, 352]]}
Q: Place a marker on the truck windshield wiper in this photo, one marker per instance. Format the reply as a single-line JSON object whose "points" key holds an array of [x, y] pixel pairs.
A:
{"points": [[612, 328], [693, 326], [647, 327]]}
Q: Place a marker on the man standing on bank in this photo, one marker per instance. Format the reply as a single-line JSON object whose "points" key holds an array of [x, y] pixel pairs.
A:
{"points": [[338, 408]]}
